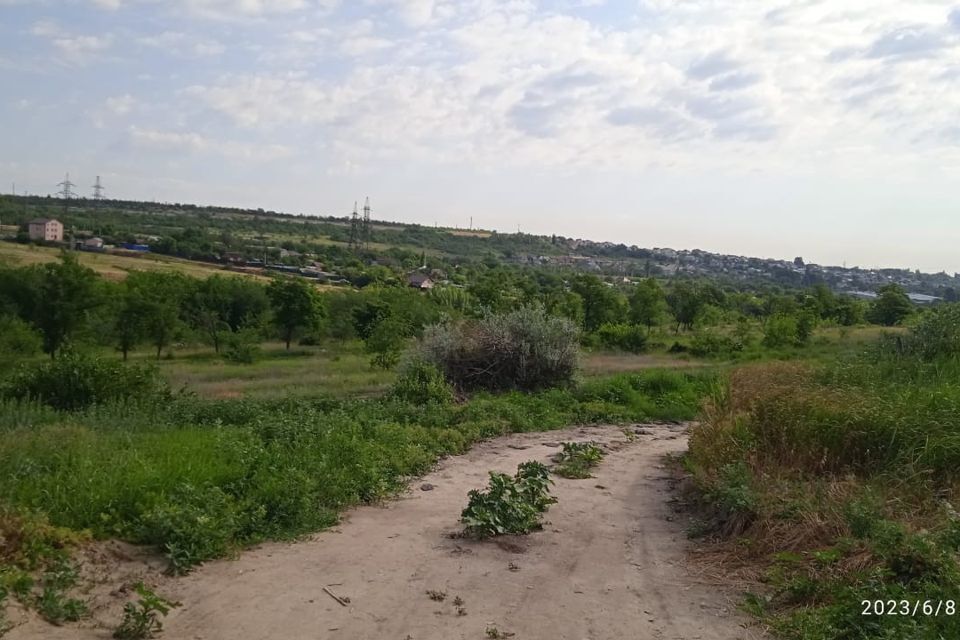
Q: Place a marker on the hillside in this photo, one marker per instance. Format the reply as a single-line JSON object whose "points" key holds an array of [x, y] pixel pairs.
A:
{"points": [[110, 266], [254, 236]]}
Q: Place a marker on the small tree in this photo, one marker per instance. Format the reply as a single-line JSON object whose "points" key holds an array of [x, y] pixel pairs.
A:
{"points": [[602, 304], [129, 319], [686, 300], [67, 293], [296, 305], [162, 298], [222, 305], [780, 330], [387, 341], [891, 307], [648, 304]]}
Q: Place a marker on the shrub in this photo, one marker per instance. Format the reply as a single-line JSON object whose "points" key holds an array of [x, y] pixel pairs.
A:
{"points": [[628, 337], [387, 340], [421, 383], [18, 339], [779, 331], [192, 525], [936, 336], [74, 382], [707, 343], [242, 347], [525, 349], [510, 505]]}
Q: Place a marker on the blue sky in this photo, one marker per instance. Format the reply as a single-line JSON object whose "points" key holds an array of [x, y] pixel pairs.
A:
{"points": [[826, 129]]}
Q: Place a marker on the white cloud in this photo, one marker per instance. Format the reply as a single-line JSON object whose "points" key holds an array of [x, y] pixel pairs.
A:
{"points": [[225, 9], [73, 49], [183, 44], [120, 105], [192, 142], [699, 83]]}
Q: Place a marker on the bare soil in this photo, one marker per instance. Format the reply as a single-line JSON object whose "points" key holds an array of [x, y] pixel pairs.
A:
{"points": [[610, 563]]}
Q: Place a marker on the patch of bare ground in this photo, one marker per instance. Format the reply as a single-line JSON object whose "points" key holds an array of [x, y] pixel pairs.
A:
{"points": [[610, 563]]}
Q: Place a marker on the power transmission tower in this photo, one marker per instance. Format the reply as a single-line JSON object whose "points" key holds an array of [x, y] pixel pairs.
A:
{"points": [[98, 190], [66, 192], [66, 188], [355, 231], [367, 230]]}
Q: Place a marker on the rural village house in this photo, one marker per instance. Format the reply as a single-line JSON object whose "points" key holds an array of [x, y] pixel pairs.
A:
{"points": [[45, 229], [420, 281]]}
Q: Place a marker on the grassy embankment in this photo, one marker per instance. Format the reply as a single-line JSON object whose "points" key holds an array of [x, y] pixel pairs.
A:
{"points": [[838, 483]]}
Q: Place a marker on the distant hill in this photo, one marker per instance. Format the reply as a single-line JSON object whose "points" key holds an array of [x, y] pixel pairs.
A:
{"points": [[216, 234]]}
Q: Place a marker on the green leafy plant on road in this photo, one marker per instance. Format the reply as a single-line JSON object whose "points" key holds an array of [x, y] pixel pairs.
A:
{"points": [[577, 458], [510, 505], [141, 618]]}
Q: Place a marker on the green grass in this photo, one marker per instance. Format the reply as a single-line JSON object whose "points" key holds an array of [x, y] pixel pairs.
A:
{"points": [[338, 369], [112, 267], [839, 480], [201, 478]]}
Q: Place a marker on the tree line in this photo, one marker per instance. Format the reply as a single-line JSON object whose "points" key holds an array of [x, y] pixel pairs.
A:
{"points": [[53, 306]]}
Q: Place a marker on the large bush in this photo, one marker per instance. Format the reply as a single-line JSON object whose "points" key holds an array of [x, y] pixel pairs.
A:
{"points": [[525, 349], [710, 343], [627, 337], [936, 336], [18, 339], [421, 383], [74, 382]]}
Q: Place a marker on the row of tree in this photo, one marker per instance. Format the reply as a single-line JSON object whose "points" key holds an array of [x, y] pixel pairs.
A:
{"points": [[63, 301]]}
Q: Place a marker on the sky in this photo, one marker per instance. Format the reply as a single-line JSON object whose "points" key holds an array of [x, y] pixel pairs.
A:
{"points": [[827, 129]]}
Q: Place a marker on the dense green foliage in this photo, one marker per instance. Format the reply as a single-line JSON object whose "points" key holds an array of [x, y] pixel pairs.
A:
{"points": [[75, 382], [297, 307], [891, 307]]}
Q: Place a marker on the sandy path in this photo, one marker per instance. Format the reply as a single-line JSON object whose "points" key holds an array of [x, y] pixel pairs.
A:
{"points": [[609, 564]]}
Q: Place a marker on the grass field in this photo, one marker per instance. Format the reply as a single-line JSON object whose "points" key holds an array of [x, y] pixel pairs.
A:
{"points": [[113, 267], [341, 370]]}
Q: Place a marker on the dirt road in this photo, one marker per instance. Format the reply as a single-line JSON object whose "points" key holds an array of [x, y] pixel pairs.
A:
{"points": [[609, 565]]}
